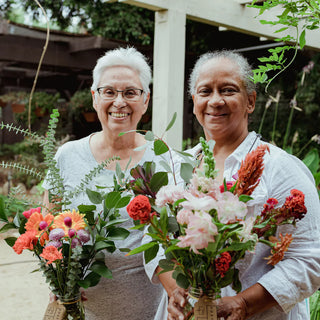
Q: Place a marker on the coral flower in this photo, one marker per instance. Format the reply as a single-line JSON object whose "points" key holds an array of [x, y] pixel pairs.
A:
{"points": [[51, 253], [26, 241], [140, 209], [251, 170], [35, 222], [279, 249], [77, 221]]}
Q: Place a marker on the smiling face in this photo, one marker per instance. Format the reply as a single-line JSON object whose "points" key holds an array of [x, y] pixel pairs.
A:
{"points": [[221, 102], [119, 115]]}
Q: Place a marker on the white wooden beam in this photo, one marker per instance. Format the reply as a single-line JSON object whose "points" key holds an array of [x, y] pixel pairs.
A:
{"points": [[168, 74], [231, 14]]}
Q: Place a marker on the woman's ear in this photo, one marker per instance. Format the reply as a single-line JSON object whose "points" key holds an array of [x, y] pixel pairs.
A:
{"points": [[94, 100], [251, 101], [145, 104], [193, 103]]}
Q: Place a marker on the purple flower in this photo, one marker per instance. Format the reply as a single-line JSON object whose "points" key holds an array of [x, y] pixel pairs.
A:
{"points": [[55, 243], [56, 234], [75, 242], [83, 235]]}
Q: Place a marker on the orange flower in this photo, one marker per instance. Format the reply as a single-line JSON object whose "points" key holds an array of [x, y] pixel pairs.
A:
{"points": [[69, 220], [51, 254], [279, 249], [251, 170], [25, 241], [40, 224]]}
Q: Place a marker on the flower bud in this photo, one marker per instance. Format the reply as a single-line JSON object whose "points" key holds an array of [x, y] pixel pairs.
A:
{"points": [[72, 233], [68, 222], [43, 225]]}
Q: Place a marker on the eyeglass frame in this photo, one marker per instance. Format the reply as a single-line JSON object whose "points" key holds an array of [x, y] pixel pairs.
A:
{"points": [[122, 91]]}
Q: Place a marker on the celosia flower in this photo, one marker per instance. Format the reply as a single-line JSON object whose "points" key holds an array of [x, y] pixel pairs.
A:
{"points": [[251, 170], [267, 207], [230, 208], [56, 234], [77, 221], [26, 241], [200, 231], [169, 194], [51, 254], [223, 263], [183, 216], [294, 205], [279, 249], [194, 203], [202, 186], [29, 212], [139, 208], [34, 222]]}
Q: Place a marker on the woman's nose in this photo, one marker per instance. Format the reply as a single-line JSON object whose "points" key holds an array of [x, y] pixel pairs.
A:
{"points": [[216, 100], [119, 101]]}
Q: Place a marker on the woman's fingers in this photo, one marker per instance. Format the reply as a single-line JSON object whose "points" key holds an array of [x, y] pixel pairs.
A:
{"points": [[176, 304]]}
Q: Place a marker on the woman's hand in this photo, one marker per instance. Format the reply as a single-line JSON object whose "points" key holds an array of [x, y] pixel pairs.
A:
{"points": [[232, 308], [177, 301]]}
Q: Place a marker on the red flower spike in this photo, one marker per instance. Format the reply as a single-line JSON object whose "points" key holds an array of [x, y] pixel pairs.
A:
{"points": [[223, 263]]}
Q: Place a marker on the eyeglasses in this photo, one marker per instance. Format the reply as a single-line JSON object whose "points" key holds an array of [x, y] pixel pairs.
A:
{"points": [[131, 94]]}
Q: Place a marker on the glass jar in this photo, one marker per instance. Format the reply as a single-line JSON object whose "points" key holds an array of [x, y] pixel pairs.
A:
{"points": [[200, 305], [74, 307]]}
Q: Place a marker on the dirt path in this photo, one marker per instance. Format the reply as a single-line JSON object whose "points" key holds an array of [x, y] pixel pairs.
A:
{"points": [[23, 295]]}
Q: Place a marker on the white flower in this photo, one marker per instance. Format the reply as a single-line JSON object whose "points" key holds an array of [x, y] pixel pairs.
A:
{"points": [[229, 207], [205, 203], [169, 194], [245, 232]]}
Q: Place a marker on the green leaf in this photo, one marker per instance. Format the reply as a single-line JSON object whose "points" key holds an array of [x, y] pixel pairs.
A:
{"points": [[160, 147], [186, 171], [115, 221], [118, 234], [101, 269], [182, 281], [166, 264], [151, 253], [311, 160], [112, 199], [165, 166], [142, 248], [7, 227], [245, 198], [94, 196], [302, 39], [86, 208], [10, 241], [3, 215], [123, 202], [101, 245], [149, 136], [158, 180], [171, 123], [91, 280], [164, 221]]}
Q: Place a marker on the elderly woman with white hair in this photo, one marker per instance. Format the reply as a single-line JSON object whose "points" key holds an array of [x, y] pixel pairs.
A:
{"points": [[223, 96], [120, 93]]}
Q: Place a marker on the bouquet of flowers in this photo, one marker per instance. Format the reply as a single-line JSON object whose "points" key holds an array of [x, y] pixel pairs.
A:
{"points": [[205, 229], [69, 245]]}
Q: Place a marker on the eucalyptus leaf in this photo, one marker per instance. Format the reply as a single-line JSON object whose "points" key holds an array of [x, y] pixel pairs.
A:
{"points": [[172, 121], [94, 196], [160, 147], [186, 172]]}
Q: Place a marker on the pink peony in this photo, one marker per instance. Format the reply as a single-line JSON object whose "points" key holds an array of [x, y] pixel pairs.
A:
{"points": [[183, 216], [230, 208], [169, 194], [194, 203], [202, 186], [201, 230]]}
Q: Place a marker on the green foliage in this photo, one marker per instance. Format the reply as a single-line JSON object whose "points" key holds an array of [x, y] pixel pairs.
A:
{"points": [[301, 15], [110, 20], [81, 102]]}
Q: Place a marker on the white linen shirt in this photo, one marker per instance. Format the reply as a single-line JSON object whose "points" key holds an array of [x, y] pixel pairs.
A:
{"points": [[297, 276]]}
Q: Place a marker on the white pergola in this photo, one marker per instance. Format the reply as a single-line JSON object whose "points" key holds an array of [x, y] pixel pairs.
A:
{"points": [[169, 48]]}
